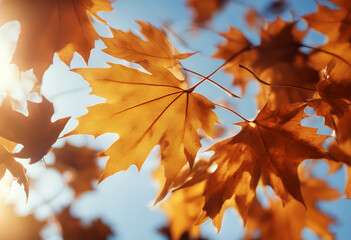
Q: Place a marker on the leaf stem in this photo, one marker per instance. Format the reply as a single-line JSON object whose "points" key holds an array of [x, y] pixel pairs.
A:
{"points": [[327, 52], [217, 69], [218, 85], [275, 85], [231, 110]]}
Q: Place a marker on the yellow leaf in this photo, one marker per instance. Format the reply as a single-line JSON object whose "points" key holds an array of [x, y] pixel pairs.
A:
{"points": [[146, 110]]}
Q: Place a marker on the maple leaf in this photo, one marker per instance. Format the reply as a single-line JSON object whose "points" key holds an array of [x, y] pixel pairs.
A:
{"points": [[205, 9], [332, 56], [335, 67], [72, 228], [253, 19], [60, 26], [80, 162], [146, 110], [341, 149], [189, 187], [271, 147], [278, 60], [293, 217], [36, 132], [182, 209], [13, 226], [296, 74], [332, 110], [237, 44], [333, 103], [335, 23], [333, 98], [279, 42], [337, 84], [16, 169], [184, 206], [157, 49]]}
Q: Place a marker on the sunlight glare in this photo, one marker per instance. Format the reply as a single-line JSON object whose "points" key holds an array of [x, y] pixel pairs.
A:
{"points": [[12, 81], [5, 186], [8, 72]]}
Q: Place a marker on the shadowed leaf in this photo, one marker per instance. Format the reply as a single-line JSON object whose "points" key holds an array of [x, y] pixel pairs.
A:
{"points": [[61, 26]]}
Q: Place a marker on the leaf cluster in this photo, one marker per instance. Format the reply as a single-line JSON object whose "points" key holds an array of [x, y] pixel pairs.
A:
{"points": [[154, 102]]}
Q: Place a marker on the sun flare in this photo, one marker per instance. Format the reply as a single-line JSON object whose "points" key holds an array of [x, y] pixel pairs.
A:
{"points": [[11, 79], [8, 72]]}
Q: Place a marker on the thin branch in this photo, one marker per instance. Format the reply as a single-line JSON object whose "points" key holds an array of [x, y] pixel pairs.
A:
{"points": [[231, 110], [327, 52], [218, 85], [227, 61], [275, 85]]}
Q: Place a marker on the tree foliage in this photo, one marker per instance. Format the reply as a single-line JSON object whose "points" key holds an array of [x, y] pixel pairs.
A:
{"points": [[153, 101]]}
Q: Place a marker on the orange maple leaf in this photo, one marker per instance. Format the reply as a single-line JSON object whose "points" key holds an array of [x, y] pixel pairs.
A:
{"points": [[47, 27], [157, 49], [184, 206], [270, 147], [204, 10], [277, 59], [80, 162], [146, 110], [7, 162], [182, 209], [292, 218], [253, 19], [334, 23], [333, 98], [73, 228], [341, 149], [331, 109], [36, 132]]}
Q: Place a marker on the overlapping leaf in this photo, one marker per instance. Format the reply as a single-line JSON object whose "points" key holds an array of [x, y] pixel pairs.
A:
{"points": [[157, 49], [293, 217], [80, 162], [61, 26], [146, 110], [184, 206], [36, 132], [335, 23], [204, 10], [269, 148], [278, 60], [17, 170], [341, 148], [182, 210], [333, 98], [73, 228]]}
